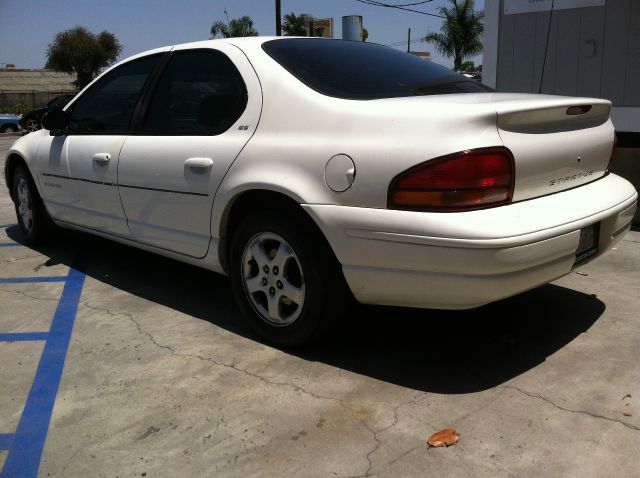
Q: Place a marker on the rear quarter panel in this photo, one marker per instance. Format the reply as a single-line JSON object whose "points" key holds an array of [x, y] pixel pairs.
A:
{"points": [[300, 130]]}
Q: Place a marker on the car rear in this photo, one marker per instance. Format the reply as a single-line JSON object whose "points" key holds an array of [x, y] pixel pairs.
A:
{"points": [[461, 196], [473, 226]]}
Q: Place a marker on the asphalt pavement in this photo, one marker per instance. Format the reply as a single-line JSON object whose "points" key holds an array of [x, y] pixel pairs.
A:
{"points": [[119, 363]]}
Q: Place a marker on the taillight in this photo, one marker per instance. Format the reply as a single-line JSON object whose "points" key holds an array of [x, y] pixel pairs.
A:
{"points": [[613, 154], [471, 179]]}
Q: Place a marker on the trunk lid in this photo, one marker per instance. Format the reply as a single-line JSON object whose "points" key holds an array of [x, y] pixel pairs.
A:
{"points": [[558, 143]]}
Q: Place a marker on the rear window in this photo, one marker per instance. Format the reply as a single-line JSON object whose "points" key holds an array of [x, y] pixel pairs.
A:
{"points": [[365, 71]]}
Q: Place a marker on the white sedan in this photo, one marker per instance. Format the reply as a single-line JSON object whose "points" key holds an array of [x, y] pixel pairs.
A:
{"points": [[313, 170]]}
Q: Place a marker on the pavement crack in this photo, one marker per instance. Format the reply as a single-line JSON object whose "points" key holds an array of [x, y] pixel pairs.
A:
{"points": [[18, 259], [376, 433], [405, 453], [19, 292], [570, 410], [297, 388]]}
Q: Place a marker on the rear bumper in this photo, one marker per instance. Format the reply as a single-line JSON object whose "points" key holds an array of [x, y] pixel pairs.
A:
{"points": [[464, 260]]}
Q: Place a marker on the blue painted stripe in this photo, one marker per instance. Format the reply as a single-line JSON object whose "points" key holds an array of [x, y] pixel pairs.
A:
{"points": [[10, 244], [28, 441], [23, 336], [4, 226], [22, 280], [5, 440]]}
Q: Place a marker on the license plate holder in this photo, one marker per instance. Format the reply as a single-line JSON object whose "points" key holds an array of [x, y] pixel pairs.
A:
{"points": [[588, 244]]}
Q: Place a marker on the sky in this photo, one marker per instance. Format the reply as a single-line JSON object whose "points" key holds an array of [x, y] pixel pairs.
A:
{"points": [[28, 26]]}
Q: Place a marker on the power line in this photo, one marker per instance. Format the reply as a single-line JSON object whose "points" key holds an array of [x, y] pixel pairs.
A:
{"points": [[404, 42], [546, 47], [401, 7], [399, 4]]}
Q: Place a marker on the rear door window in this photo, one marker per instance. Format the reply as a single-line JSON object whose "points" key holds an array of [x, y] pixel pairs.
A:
{"points": [[200, 92]]}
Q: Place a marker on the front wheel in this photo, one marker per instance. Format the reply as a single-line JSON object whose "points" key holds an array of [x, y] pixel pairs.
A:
{"points": [[32, 125], [286, 282]]}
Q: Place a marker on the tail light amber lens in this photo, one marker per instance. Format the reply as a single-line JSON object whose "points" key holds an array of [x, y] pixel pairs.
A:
{"points": [[472, 179]]}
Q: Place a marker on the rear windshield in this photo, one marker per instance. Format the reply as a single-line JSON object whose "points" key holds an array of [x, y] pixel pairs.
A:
{"points": [[365, 71]]}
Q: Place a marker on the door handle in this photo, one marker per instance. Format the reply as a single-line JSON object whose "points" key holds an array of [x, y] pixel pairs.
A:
{"points": [[199, 163], [101, 158]]}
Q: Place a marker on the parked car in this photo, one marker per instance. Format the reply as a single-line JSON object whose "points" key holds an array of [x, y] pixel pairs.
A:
{"points": [[31, 120], [310, 170], [9, 123]]}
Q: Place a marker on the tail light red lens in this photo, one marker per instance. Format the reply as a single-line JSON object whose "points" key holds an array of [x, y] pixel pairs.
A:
{"points": [[472, 179]]}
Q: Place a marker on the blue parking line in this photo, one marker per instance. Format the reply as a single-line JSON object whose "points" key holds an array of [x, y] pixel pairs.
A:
{"points": [[5, 440], [23, 280], [10, 244], [5, 226], [25, 450], [23, 336]]}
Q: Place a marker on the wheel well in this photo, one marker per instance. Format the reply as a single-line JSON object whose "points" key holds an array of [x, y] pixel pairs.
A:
{"points": [[260, 200], [12, 162]]}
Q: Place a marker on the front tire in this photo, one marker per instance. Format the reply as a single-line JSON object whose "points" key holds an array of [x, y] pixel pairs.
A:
{"points": [[32, 125], [287, 283], [32, 217]]}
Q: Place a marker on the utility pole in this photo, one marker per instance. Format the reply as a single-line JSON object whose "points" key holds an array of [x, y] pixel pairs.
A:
{"points": [[409, 41], [278, 17]]}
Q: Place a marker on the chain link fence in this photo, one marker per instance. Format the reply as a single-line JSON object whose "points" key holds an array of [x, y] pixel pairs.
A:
{"points": [[18, 102]]}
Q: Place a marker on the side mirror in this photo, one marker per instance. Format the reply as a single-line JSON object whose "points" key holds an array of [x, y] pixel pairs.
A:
{"points": [[55, 120]]}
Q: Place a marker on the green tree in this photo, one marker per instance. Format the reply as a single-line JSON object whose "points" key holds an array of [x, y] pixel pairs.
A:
{"points": [[461, 32], [365, 34], [238, 27], [468, 65], [79, 51], [294, 26]]}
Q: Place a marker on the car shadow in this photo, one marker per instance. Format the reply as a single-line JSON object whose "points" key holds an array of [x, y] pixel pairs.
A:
{"points": [[427, 350]]}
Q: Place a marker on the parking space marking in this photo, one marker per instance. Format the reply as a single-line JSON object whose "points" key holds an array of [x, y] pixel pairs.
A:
{"points": [[23, 336], [23, 280], [26, 444], [5, 226], [5, 441]]}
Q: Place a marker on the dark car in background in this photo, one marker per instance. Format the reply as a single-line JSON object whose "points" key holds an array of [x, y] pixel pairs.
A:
{"points": [[30, 120], [9, 123]]}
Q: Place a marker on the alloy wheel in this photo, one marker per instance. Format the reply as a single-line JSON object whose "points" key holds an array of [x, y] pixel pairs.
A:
{"points": [[32, 125], [25, 206], [273, 278]]}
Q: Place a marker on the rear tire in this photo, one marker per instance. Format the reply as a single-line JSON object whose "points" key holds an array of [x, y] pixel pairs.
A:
{"points": [[33, 219], [9, 128], [287, 284]]}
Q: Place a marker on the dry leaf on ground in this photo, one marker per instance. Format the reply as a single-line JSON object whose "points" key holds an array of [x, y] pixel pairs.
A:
{"points": [[446, 437], [627, 414]]}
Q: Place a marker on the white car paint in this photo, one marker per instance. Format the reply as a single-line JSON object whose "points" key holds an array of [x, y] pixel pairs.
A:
{"points": [[441, 260], [159, 218]]}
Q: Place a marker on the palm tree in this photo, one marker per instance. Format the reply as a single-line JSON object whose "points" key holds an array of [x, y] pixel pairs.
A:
{"points": [[294, 26], [238, 27], [461, 35]]}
